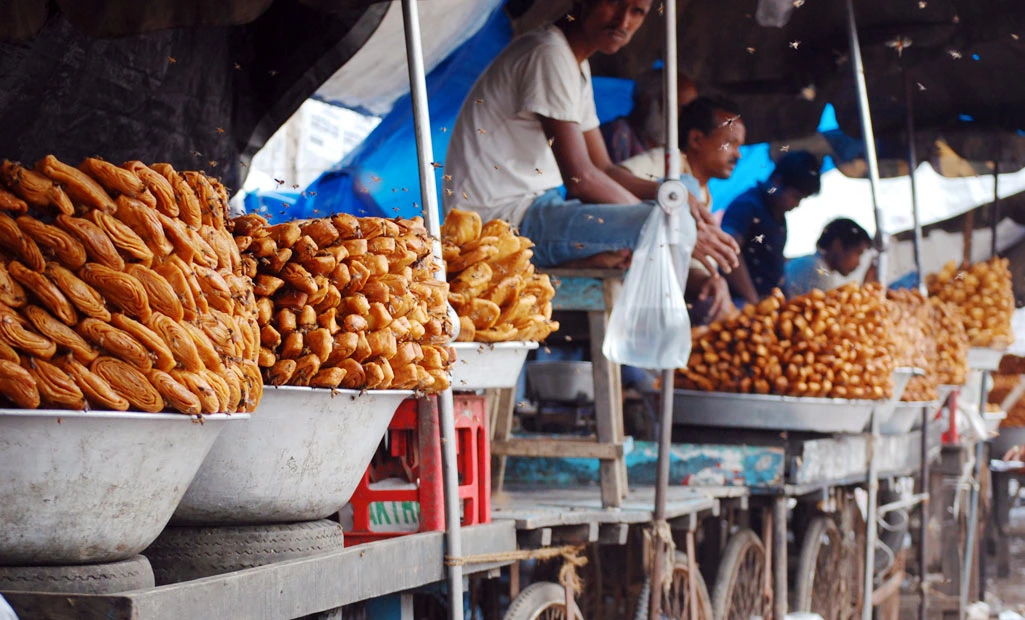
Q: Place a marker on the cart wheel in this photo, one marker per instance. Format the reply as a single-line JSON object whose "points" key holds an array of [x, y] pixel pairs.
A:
{"points": [[820, 571], [541, 601], [739, 592], [852, 556], [676, 602]]}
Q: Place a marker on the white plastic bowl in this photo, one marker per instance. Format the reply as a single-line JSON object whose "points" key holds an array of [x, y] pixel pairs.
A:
{"points": [[94, 487], [299, 459], [482, 366]]}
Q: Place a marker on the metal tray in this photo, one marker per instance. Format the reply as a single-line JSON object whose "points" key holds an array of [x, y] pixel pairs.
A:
{"points": [[97, 486], [981, 358], [906, 416], [299, 458], [769, 412], [482, 366]]}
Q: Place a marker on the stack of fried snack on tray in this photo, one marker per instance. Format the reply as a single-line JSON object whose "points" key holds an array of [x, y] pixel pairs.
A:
{"points": [[121, 288], [837, 344], [951, 343], [915, 342], [984, 295], [493, 285], [346, 302], [1003, 383]]}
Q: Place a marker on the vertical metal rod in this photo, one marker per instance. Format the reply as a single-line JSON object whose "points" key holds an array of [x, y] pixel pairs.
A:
{"points": [[661, 485], [429, 196], [870, 519], [995, 217], [779, 557], [673, 169], [913, 166], [973, 505], [923, 528], [869, 137]]}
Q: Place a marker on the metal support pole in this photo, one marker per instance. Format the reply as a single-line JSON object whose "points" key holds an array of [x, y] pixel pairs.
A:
{"points": [[673, 168], [913, 166], [661, 484], [973, 504], [995, 217], [870, 140], [870, 519], [779, 557], [923, 528], [429, 196]]}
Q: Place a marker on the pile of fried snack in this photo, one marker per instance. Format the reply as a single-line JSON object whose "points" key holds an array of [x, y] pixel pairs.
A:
{"points": [[494, 289], [983, 294], [912, 317], [122, 288], [838, 344], [1012, 367], [346, 302]]}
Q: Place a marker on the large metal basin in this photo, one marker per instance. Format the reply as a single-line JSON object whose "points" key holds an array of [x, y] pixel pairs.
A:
{"points": [[299, 458], [482, 366], [94, 487]]}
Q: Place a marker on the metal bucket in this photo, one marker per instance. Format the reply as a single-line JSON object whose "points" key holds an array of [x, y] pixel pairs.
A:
{"points": [[299, 458], [481, 366], [562, 381], [94, 487]]}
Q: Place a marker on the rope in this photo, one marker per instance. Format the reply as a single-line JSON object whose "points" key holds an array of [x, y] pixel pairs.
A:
{"points": [[661, 533], [570, 554]]}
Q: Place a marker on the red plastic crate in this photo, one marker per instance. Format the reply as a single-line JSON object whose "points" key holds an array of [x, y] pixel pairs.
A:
{"points": [[415, 451]]}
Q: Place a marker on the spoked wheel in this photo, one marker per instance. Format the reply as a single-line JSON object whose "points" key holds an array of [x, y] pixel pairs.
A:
{"points": [[821, 578], [852, 556], [541, 601], [739, 592], [677, 602]]}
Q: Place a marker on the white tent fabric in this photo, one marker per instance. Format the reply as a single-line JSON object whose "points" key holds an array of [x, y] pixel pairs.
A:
{"points": [[939, 198], [445, 24]]}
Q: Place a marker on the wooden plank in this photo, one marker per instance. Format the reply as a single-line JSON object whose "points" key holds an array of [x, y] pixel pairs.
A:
{"points": [[606, 409], [612, 288], [503, 402], [283, 590], [555, 447]]}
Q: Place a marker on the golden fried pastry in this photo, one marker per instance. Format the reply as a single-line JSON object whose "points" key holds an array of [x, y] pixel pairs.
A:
{"points": [[118, 288], [97, 244], [204, 347], [116, 342], [281, 372], [123, 237], [54, 241], [18, 385], [174, 276], [98, 393], [160, 353], [35, 188], [114, 179], [45, 291], [189, 210], [60, 334], [355, 377], [11, 292], [461, 227], [175, 395], [79, 185], [328, 378], [146, 223], [85, 298], [159, 187], [56, 388], [13, 240], [178, 340], [197, 383]]}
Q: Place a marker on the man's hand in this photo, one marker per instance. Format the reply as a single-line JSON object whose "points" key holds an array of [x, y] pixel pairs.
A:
{"points": [[713, 247], [716, 289]]}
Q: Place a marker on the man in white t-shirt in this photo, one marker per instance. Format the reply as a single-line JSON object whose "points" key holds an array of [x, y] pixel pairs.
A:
{"points": [[838, 254], [529, 126]]}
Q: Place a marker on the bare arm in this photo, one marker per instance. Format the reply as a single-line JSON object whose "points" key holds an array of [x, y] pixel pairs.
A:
{"points": [[645, 188], [741, 283], [584, 178]]}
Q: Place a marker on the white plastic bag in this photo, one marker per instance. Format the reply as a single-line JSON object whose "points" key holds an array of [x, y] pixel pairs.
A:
{"points": [[649, 326]]}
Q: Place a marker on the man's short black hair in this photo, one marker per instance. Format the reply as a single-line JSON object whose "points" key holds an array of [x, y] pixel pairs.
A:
{"points": [[799, 170], [700, 114], [849, 232]]}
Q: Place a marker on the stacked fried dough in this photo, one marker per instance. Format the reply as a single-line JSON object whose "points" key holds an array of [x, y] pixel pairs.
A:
{"points": [[951, 343], [984, 295], [913, 335], [346, 302], [121, 288], [837, 344], [494, 288], [1003, 383]]}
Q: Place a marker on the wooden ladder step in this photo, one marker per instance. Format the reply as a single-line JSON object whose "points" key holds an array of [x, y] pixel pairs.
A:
{"points": [[558, 447]]}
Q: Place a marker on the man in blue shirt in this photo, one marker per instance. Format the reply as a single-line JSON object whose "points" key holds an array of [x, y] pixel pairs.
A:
{"points": [[757, 220]]}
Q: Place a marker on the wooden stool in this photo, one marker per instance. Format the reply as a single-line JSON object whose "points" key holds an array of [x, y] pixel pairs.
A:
{"points": [[593, 291]]}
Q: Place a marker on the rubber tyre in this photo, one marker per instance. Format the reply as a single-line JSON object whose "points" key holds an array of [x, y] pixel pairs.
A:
{"points": [[135, 573], [538, 598], [187, 553]]}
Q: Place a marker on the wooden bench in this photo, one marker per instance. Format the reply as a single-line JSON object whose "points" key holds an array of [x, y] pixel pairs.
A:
{"points": [[593, 291]]}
